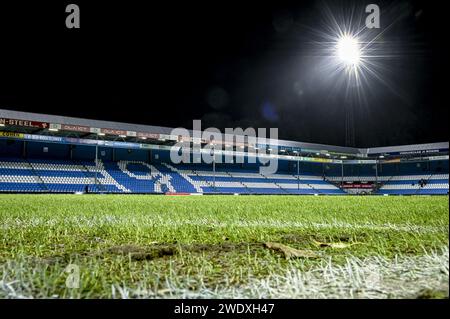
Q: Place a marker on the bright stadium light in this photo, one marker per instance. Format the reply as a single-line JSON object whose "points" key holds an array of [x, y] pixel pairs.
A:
{"points": [[348, 50]]}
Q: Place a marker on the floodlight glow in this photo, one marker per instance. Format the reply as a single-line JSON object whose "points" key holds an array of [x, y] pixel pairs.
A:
{"points": [[348, 50]]}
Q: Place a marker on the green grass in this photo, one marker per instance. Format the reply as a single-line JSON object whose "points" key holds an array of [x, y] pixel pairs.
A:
{"points": [[153, 246]]}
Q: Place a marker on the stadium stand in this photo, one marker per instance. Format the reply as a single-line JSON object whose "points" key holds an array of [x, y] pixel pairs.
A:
{"points": [[69, 176], [45, 153], [419, 178], [38, 175]]}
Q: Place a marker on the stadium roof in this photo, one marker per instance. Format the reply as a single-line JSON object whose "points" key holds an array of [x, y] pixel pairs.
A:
{"points": [[35, 123]]}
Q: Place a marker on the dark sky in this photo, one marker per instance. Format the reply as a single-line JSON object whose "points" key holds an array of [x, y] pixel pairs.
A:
{"points": [[229, 63]]}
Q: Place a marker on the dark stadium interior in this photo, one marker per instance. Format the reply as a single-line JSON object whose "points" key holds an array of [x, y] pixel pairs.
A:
{"points": [[228, 63]]}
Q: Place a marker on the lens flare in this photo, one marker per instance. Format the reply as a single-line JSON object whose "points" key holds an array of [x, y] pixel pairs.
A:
{"points": [[348, 50]]}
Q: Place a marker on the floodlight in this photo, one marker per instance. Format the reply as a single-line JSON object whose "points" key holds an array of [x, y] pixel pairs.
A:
{"points": [[348, 50]]}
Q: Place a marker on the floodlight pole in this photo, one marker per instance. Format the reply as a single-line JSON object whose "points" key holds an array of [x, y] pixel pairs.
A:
{"points": [[96, 163], [349, 124], [214, 166], [376, 173]]}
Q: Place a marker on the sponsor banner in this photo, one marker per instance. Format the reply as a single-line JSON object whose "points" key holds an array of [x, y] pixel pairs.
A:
{"points": [[74, 140], [155, 147], [131, 133], [361, 161], [113, 131], [54, 126], [357, 185], [23, 123], [43, 138], [424, 158], [395, 160], [125, 145], [168, 137], [119, 144], [148, 135], [12, 134], [438, 158], [413, 152], [319, 160], [180, 138], [307, 150], [418, 152], [76, 128], [95, 130]]}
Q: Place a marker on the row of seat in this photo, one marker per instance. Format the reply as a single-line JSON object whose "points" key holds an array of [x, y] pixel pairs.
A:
{"points": [[140, 177]]}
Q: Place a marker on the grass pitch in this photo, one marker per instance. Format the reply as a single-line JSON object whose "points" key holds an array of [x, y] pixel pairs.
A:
{"points": [[214, 246]]}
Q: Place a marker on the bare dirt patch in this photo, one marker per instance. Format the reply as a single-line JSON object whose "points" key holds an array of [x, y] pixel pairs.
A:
{"points": [[163, 250]]}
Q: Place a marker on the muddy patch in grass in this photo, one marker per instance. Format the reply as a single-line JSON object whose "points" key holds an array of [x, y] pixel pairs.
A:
{"points": [[143, 252], [222, 248], [166, 250]]}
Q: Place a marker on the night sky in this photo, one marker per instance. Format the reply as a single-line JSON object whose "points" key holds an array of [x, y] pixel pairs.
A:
{"points": [[228, 63]]}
